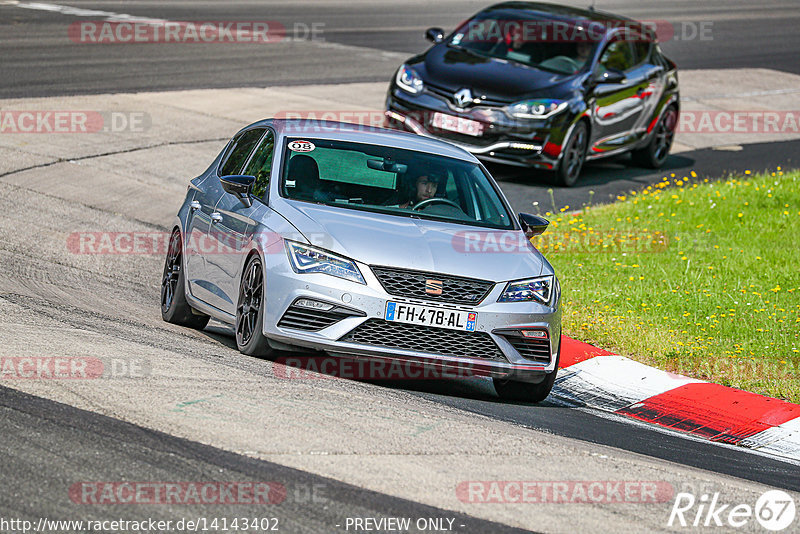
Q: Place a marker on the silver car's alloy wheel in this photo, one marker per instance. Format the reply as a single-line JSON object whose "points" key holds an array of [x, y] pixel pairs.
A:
{"points": [[250, 295], [250, 310]]}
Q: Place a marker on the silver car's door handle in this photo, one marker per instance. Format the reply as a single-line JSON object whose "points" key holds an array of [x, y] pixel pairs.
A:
{"points": [[216, 217], [195, 205]]}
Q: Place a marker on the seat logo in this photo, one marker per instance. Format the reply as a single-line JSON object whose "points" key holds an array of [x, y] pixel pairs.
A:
{"points": [[433, 287], [463, 97]]}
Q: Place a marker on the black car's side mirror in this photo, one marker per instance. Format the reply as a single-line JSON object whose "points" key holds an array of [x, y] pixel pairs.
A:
{"points": [[610, 76], [239, 185], [434, 35], [533, 225]]}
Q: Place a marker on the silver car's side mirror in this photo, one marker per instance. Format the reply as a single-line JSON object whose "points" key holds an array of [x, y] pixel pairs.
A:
{"points": [[533, 225], [239, 185]]}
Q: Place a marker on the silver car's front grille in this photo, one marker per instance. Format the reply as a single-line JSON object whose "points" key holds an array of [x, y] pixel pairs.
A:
{"points": [[530, 348], [441, 341], [310, 319], [432, 286]]}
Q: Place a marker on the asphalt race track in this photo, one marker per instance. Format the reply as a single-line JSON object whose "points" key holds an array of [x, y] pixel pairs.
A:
{"points": [[186, 406], [362, 42], [65, 437]]}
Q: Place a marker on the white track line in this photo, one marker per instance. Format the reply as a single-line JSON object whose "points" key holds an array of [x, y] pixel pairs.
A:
{"points": [[615, 382], [691, 437], [111, 16], [606, 384]]}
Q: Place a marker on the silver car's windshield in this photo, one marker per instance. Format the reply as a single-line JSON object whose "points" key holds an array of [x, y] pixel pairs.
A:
{"points": [[391, 180]]}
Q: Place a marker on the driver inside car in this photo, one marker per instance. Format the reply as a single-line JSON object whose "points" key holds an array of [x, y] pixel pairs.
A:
{"points": [[424, 188]]}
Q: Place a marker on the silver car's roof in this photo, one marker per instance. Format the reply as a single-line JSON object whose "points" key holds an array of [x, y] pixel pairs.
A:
{"points": [[342, 131]]}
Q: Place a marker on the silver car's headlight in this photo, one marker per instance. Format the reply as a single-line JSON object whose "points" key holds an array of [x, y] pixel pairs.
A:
{"points": [[538, 289], [408, 80], [536, 109], [308, 259]]}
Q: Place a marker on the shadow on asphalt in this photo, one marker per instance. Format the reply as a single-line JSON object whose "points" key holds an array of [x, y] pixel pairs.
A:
{"points": [[222, 334], [476, 389], [595, 173], [602, 181]]}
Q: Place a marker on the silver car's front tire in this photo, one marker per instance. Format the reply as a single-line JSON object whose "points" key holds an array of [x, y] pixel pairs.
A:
{"points": [[513, 390], [250, 337]]}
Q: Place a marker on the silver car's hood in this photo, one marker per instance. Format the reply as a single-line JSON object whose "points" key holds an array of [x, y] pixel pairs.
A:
{"points": [[378, 239]]}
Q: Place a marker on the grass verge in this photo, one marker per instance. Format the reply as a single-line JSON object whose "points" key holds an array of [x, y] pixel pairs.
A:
{"points": [[695, 277]]}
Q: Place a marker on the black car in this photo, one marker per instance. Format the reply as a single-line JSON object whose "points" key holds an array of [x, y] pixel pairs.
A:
{"points": [[541, 85]]}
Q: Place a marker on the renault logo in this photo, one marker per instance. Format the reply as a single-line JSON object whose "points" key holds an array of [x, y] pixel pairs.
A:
{"points": [[433, 287], [463, 97]]}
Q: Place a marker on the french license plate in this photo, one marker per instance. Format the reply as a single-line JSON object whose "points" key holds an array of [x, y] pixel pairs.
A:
{"points": [[400, 312], [457, 124]]}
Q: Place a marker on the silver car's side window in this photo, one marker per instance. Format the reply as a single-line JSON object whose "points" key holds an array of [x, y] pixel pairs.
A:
{"points": [[240, 149], [260, 165]]}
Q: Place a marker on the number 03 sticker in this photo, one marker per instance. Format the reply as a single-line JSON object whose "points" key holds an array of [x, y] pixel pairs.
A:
{"points": [[301, 146]]}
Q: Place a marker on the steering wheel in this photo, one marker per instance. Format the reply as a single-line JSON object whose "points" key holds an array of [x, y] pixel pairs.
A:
{"points": [[433, 200]]}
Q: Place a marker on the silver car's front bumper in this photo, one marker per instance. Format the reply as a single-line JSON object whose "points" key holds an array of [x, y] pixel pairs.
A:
{"points": [[284, 287]]}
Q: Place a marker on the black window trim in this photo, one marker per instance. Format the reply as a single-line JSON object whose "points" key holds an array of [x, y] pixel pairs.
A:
{"points": [[240, 134], [267, 129]]}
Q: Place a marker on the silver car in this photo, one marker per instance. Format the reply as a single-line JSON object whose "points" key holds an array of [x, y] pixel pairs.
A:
{"points": [[368, 244]]}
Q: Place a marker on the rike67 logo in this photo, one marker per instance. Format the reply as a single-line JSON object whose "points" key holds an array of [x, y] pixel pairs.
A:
{"points": [[775, 510]]}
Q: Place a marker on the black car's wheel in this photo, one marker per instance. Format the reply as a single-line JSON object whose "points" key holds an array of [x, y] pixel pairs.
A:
{"points": [[573, 156], [524, 391], [174, 308], [250, 311], [655, 153]]}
